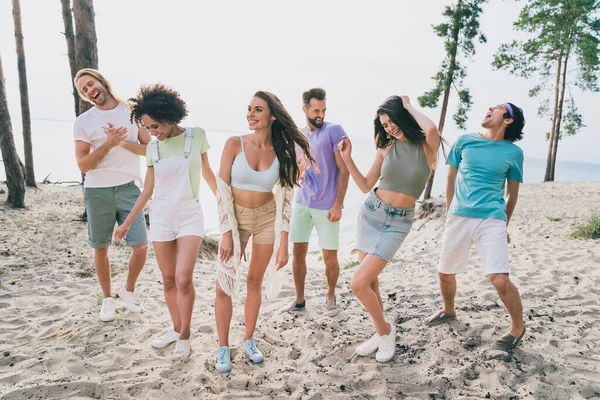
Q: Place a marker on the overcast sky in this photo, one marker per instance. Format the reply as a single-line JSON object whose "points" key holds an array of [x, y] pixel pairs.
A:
{"points": [[218, 53]]}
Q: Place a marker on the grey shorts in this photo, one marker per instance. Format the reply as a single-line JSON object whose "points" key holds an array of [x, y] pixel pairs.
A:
{"points": [[382, 228], [107, 206]]}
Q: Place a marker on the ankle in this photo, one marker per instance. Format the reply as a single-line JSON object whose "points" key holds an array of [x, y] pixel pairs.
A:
{"points": [[386, 330], [185, 335]]}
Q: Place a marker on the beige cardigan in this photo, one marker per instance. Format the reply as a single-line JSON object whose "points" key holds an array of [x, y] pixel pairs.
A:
{"points": [[228, 273]]}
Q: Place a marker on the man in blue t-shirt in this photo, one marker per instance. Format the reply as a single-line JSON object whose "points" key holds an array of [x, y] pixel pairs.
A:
{"points": [[480, 165]]}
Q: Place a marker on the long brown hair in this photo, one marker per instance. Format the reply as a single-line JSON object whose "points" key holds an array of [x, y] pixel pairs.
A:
{"points": [[285, 135]]}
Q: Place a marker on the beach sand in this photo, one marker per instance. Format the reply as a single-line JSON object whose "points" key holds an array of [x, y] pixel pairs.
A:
{"points": [[52, 344]]}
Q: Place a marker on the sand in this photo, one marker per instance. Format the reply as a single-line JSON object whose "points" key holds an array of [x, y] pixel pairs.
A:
{"points": [[52, 344]]}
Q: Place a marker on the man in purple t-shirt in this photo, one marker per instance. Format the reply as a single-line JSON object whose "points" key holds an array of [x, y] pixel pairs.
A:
{"points": [[319, 200]]}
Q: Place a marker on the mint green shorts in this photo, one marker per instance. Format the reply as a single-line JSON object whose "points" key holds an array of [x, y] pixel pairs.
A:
{"points": [[305, 218], [107, 206]]}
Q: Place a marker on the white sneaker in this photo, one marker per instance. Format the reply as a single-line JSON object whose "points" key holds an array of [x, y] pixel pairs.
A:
{"points": [[131, 300], [387, 346], [163, 341], [331, 308], [182, 348], [369, 347], [107, 312], [293, 307], [254, 354]]}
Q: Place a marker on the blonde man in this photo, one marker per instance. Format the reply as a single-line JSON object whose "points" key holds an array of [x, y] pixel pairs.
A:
{"points": [[107, 147]]}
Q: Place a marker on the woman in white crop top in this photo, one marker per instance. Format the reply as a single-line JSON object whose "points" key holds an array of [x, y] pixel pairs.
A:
{"points": [[251, 166]]}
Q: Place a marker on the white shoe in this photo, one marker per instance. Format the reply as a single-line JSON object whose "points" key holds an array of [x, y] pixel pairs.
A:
{"points": [[369, 347], [182, 348], [131, 300], [387, 346], [163, 341], [331, 308], [254, 354], [107, 312], [293, 307]]}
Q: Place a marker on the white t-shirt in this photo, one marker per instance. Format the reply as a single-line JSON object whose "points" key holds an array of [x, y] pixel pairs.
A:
{"points": [[120, 166]]}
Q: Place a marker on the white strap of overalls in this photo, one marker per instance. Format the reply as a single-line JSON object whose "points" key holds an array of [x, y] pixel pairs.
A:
{"points": [[154, 150], [187, 148]]}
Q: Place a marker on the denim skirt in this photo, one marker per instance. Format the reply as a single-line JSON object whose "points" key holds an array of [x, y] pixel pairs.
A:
{"points": [[382, 228]]}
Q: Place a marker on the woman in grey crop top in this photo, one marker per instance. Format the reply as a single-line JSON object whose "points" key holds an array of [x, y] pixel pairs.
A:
{"points": [[407, 144], [252, 165]]}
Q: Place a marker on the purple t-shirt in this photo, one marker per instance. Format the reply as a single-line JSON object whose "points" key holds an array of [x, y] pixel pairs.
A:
{"points": [[318, 189]]}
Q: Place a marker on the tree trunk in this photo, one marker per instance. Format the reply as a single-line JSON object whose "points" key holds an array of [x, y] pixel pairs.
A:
{"points": [[25, 114], [12, 165], [70, 38], [86, 50], [448, 84], [560, 112], [548, 177]]}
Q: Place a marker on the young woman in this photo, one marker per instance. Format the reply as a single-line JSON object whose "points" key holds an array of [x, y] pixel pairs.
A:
{"points": [[175, 161], [407, 143], [251, 167]]}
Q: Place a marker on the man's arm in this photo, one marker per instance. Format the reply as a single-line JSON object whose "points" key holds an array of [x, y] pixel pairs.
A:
{"points": [[512, 194], [87, 160], [335, 214], [450, 186]]}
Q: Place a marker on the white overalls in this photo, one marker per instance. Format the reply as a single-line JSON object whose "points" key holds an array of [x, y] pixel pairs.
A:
{"points": [[174, 211]]}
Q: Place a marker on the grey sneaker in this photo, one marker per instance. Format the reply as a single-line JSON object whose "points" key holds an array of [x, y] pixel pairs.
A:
{"points": [[293, 307], [331, 309]]}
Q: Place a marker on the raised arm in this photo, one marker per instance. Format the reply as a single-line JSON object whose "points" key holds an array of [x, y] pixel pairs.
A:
{"points": [[432, 135], [364, 183]]}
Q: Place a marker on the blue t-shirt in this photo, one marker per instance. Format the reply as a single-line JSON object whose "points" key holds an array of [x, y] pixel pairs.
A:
{"points": [[319, 189], [483, 168]]}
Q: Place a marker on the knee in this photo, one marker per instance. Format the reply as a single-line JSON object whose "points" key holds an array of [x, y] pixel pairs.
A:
{"points": [[446, 278], [184, 283], [331, 263], [220, 292], [500, 281], [140, 251], [254, 283], [169, 282], [101, 252], [358, 286]]}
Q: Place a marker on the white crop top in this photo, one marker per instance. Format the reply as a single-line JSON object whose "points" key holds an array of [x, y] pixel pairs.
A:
{"points": [[245, 178]]}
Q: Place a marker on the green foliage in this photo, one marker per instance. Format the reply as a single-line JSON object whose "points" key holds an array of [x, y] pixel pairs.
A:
{"points": [[589, 230], [459, 31], [561, 31], [350, 264]]}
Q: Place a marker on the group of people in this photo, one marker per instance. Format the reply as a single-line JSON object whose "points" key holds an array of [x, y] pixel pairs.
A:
{"points": [[276, 185]]}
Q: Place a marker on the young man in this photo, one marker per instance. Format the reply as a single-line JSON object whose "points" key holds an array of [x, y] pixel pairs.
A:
{"points": [[107, 146], [319, 200], [477, 212]]}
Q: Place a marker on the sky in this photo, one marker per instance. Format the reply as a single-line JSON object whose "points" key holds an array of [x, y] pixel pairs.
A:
{"points": [[218, 53]]}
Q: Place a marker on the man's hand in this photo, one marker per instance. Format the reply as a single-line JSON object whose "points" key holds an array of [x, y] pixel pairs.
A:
{"points": [[507, 237], [114, 136], [335, 214]]}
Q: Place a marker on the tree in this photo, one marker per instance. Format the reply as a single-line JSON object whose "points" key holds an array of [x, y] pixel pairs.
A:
{"points": [[86, 50], [12, 164], [459, 31], [70, 38], [564, 33], [25, 114]]}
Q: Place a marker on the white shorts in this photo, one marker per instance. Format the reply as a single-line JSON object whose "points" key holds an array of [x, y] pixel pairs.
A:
{"points": [[489, 236], [168, 222]]}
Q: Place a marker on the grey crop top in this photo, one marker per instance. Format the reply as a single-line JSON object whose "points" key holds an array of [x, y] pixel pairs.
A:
{"points": [[246, 178], [405, 169]]}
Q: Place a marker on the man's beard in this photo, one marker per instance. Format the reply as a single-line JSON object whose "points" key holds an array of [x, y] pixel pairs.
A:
{"points": [[314, 123]]}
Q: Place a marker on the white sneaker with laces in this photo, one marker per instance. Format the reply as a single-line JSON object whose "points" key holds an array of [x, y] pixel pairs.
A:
{"points": [[369, 347], [387, 346], [132, 302], [182, 348], [254, 354], [107, 311], [331, 308], [163, 341]]}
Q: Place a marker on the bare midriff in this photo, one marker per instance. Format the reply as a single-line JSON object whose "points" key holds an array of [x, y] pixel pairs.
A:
{"points": [[250, 198], [395, 199]]}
